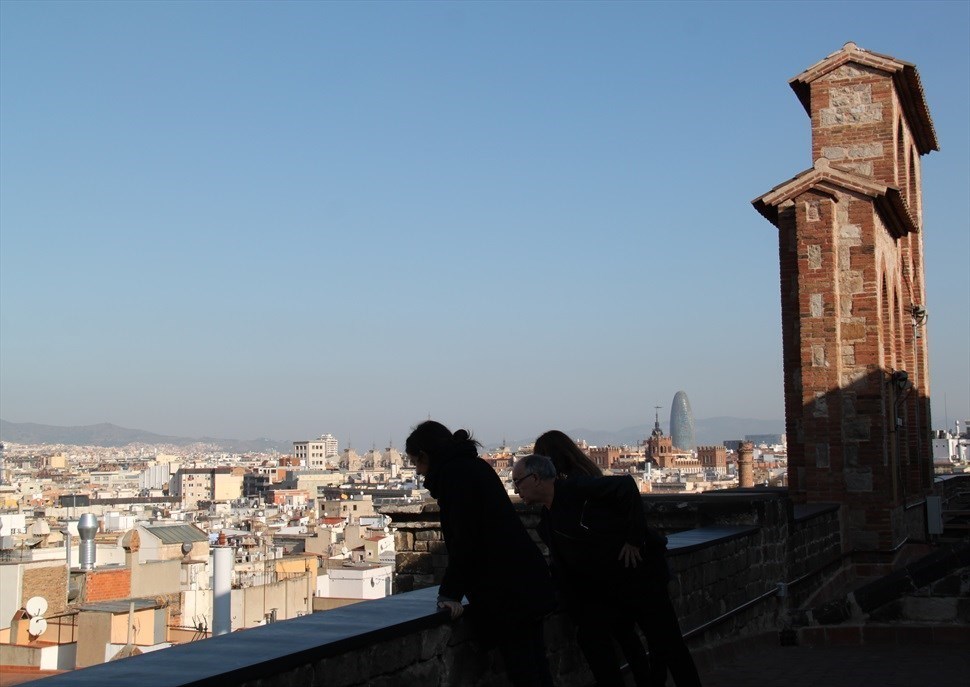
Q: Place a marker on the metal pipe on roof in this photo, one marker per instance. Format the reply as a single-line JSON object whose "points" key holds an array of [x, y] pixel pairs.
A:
{"points": [[87, 527], [222, 565]]}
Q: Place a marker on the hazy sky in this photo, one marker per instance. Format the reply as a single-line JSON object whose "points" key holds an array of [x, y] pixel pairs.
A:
{"points": [[285, 219]]}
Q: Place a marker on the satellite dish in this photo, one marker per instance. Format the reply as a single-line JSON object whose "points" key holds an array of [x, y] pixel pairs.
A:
{"points": [[36, 606], [37, 626], [186, 548]]}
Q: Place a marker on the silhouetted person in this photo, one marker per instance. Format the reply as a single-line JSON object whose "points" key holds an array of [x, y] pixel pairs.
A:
{"points": [[491, 558], [570, 461], [609, 565]]}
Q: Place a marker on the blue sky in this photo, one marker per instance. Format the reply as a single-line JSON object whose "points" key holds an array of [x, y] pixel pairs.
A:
{"points": [[285, 219]]}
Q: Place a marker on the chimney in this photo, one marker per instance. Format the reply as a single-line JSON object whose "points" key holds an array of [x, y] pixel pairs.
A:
{"points": [[87, 527], [67, 546], [223, 560], [746, 465]]}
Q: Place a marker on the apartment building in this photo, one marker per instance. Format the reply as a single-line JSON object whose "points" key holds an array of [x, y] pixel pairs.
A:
{"points": [[314, 453]]}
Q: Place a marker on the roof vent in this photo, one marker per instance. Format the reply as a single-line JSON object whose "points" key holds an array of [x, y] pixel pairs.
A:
{"points": [[87, 527]]}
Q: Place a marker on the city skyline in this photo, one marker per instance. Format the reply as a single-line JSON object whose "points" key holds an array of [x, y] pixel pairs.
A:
{"points": [[713, 430], [251, 220]]}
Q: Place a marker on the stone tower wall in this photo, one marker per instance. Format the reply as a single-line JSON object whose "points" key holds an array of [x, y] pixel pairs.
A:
{"points": [[851, 269]]}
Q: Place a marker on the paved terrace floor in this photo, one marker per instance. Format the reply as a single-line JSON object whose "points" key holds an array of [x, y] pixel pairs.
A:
{"points": [[914, 665]]}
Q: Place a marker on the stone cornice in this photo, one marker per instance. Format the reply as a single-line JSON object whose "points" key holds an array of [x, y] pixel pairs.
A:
{"points": [[823, 177]]}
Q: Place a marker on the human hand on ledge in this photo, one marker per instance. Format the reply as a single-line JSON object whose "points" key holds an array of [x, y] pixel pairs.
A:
{"points": [[454, 608]]}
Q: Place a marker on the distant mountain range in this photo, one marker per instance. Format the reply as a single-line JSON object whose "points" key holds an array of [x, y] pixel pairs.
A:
{"points": [[108, 435], [707, 431]]}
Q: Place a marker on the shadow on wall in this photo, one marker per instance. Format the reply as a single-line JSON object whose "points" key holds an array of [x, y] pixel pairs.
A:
{"points": [[866, 446]]}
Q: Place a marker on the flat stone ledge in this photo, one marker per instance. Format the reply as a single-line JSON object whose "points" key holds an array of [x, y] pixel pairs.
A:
{"points": [[268, 650], [703, 537], [807, 511], [416, 525]]}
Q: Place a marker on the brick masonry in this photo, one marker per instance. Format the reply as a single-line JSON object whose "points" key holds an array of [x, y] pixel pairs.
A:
{"points": [[851, 276], [106, 585], [50, 582]]}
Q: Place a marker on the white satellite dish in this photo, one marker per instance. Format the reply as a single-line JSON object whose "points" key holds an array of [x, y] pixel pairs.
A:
{"points": [[37, 626], [36, 606]]}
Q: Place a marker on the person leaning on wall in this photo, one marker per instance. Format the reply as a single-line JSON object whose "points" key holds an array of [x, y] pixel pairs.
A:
{"points": [[491, 558], [609, 566], [596, 618]]}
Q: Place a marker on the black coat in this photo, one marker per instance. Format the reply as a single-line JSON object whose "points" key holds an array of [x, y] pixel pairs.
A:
{"points": [[589, 521], [491, 558]]}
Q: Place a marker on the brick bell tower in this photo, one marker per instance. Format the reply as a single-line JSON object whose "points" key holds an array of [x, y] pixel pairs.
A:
{"points": [[850, 238]]}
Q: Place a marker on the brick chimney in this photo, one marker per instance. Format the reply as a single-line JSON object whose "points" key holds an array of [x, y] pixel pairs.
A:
{"points": [[746, 465]]}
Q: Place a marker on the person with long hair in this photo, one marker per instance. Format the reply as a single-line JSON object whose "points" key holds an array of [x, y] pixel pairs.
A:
{"points": [[584, 513], [565, 454], [491, 558]]}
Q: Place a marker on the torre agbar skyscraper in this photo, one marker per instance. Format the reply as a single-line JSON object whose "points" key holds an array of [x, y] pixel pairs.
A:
{"points": [[682, 423]]}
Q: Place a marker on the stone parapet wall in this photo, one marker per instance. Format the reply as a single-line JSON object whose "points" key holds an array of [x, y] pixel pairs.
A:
{"points": [[398, 640], [727, 550], [949, 487], [815, 540], [726, 569]]}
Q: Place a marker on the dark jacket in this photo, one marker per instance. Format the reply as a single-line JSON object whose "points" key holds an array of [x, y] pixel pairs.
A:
{"points": [[491, 558], [590, 520]]}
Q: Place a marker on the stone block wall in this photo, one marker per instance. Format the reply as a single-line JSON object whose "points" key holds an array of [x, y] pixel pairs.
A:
{"points": [[710, 580], [48, 581], [717, 580], [814, 541], [443, 655], [421, 553]]}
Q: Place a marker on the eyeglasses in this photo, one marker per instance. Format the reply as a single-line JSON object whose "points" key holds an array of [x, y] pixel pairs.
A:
{"points": [[517, 482]]}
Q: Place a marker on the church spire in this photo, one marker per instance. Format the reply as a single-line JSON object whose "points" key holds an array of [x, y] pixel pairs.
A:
{"points": [[657, 432]]}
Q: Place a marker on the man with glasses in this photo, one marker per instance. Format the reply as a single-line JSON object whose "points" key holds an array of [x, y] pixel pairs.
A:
{"points": [[610, 568], [517, 482]]}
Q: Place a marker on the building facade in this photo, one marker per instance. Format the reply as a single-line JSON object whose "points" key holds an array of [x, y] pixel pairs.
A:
{"points": [[714, 457], [605, 456], [194, 485], [314, 453]]}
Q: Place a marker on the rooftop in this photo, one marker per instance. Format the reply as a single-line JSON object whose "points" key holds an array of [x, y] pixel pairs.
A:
{"points": [[177, 534]]}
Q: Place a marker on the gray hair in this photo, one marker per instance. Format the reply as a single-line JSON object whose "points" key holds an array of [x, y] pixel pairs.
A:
{"points": [[540, 466]]}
